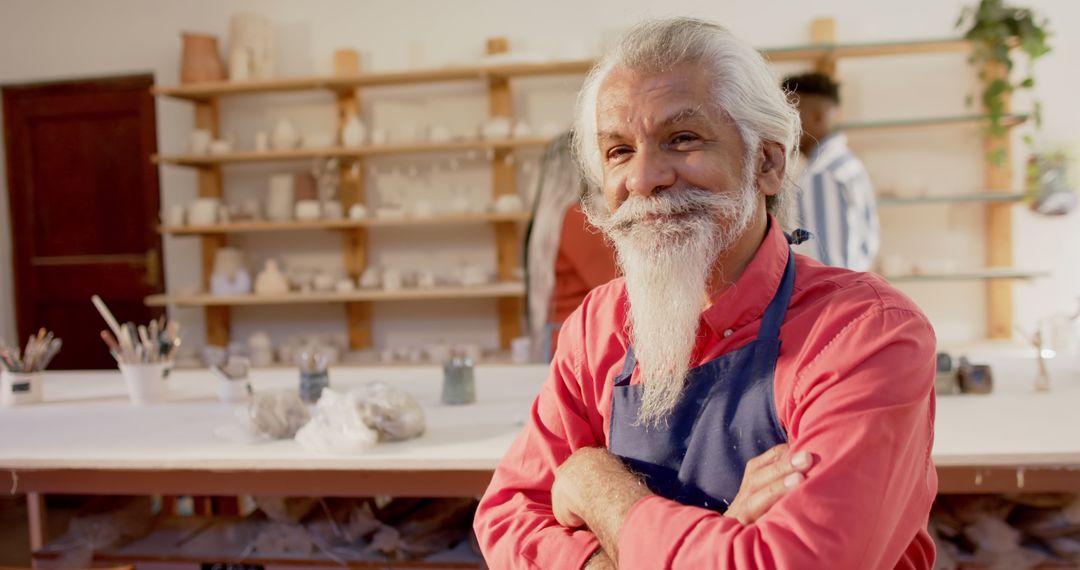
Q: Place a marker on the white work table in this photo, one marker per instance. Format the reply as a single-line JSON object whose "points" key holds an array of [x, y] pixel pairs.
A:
{"points": [[86, 438]]}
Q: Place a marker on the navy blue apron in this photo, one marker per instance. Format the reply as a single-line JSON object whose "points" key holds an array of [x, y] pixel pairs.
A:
{"points": [[725, 417]]}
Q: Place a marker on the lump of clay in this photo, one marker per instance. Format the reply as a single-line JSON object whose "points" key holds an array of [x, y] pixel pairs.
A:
{"points": [[392, 412], [278, 415]]}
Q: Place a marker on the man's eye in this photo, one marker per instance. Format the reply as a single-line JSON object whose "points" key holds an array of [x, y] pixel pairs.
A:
{"points": [[683, 138], [617, 152]]}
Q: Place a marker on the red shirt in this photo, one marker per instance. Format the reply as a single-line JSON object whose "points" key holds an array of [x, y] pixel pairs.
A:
{"points": [[854, 386]]}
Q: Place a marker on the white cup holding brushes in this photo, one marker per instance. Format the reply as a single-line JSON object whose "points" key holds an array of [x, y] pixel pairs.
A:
{"points": [[21, 376], [144, 354], [19, 388], [146, 382], [233, 383]]}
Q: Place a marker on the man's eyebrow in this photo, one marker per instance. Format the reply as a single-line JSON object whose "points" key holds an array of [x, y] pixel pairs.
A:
{"points": [[684, 115], [688, 114]]}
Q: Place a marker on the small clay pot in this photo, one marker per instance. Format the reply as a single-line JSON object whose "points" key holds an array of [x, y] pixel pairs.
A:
{"points": [[200, 59]]}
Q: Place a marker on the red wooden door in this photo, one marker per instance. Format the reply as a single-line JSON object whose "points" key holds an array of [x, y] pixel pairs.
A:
{"points": [[84, 208]]}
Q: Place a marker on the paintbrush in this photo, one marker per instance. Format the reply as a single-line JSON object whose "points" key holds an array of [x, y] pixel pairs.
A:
{"points": [[106, 314]]}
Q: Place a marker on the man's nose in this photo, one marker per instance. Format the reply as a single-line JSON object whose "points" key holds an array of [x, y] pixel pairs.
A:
{"points": [[650, 172]]}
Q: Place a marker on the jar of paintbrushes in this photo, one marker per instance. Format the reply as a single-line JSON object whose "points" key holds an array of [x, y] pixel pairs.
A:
{"points": [[21, 375], [144, 354]]}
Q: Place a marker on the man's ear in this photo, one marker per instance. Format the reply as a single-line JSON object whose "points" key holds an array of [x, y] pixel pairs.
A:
{"points": [[770, 168]]}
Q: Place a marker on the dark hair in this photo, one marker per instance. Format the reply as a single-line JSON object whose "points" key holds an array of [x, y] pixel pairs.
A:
{"points": [[813, 84]]}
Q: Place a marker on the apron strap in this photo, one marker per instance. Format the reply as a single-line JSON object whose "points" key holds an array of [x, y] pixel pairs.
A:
{"points": [[774, 313]]}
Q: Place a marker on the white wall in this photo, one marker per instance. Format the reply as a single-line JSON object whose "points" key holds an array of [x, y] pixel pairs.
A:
{"points": [[53, 39]]}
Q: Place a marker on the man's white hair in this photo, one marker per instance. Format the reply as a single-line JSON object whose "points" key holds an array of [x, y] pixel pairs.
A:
{"points": [[743, 88]]}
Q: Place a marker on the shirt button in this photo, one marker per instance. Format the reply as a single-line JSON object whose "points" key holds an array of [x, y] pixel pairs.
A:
{"points": [[727, 333]]}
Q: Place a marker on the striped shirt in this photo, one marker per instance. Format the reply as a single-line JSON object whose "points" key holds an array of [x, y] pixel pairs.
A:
{"points": [[837, 206]]}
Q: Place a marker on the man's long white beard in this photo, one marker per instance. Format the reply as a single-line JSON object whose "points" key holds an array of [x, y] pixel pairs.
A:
{"points": [[667, 264]]}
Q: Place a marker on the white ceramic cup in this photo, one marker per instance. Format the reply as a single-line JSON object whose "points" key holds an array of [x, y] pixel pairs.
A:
{"points": [[204, 211], [146, 383], [200, 140], [19, 388]]}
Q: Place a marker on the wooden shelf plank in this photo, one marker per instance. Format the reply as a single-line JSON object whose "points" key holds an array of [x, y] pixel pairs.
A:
{"points": [[979, 275], [921, 122], [871, 49], [978, 197], [344, 152], [496, 290], [213, 89], [265, 226]]}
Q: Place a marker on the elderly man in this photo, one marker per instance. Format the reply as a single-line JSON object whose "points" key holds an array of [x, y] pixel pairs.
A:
{"points": [[726, 404]]}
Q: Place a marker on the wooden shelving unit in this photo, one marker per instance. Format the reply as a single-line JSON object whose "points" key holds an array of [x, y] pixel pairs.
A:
{"points": [[346, 85], [925, 122], [999, 274], [978, 198], [345, 224], [207, 160], [508, 290], [989, 274]]}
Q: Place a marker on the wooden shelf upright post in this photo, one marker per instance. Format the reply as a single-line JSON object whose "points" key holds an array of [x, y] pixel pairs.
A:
{"points": [[999, 251], [210, 186], [358, 313], [507, 234]]}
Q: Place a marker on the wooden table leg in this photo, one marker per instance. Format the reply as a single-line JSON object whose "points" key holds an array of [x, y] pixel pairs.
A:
{"points": [[35, 514]]}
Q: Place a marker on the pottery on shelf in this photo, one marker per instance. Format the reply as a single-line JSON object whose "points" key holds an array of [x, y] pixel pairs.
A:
{"points": [[204, 211], [323, 282], [439, 134], [345, 285], [305, 187], [426, 279], [251, 47], [200, 60], [392, 279], [509, 203], [472, 275], [260, 349], [280, 202], [177, 215], [370, 278], [284, 136], [353, 132], [331, 210], [238, 284], [379, 136], [228, 261], [496, 128], [271, 281], [308, 210], [522, 130], [199, 141], [357, 212], [220, 147]]}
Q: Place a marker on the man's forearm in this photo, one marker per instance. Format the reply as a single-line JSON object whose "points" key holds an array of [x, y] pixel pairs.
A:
{"points": [[609, 493]]}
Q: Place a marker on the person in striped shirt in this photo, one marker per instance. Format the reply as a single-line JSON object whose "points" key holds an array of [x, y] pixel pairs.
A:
{"points": [[836, 199]]}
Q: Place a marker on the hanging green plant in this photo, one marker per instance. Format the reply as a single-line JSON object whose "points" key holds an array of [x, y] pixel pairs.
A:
{"points": [[994, 30]]}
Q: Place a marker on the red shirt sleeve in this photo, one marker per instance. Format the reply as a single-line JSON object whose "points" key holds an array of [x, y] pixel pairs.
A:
{"points": [[868, 420], [514, 522]]}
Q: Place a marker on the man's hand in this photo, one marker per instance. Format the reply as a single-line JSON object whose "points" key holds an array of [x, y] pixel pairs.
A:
{"points": [[766, 478], [594, 489]]}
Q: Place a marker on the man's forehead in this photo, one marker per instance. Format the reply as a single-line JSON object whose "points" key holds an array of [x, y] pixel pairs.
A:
{"points": [[656, 97]]}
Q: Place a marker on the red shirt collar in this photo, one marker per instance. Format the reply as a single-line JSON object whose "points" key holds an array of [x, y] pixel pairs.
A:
{"points": [[745, 301]]}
